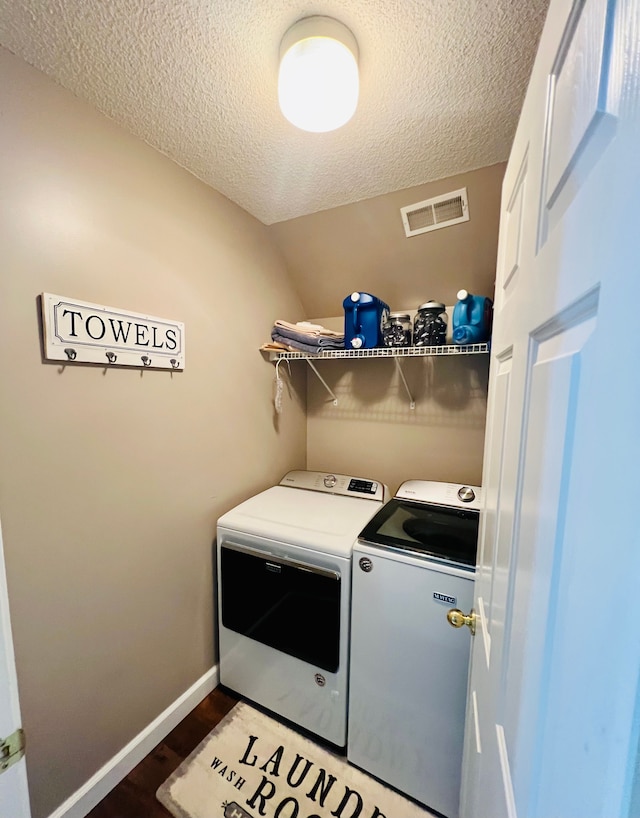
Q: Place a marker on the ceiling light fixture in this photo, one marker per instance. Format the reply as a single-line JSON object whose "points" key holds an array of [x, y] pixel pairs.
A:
{"points": [[318, 80]]}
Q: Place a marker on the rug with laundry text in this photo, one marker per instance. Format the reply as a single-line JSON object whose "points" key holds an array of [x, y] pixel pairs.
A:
{"points": [[251, 766]]}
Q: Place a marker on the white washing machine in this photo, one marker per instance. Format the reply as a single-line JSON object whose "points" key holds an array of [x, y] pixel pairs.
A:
{"points": [[284, 593], [413, 562]]}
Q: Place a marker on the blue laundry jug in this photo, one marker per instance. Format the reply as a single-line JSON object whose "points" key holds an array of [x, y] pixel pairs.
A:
{"points": [[472, 317], [364, 315]]}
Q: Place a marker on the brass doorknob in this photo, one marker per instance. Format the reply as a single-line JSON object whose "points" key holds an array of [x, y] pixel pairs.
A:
{"points": [[457, 619]]}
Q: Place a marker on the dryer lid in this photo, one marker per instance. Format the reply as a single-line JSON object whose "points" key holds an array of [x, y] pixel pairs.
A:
{"points": [[323, 522]]}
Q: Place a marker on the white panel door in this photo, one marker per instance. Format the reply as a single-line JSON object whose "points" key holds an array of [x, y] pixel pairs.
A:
{"points": [[14, 798], [552, 725]]}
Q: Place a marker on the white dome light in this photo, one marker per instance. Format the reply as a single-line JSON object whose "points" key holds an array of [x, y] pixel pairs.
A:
{"points": [[318, 81]]}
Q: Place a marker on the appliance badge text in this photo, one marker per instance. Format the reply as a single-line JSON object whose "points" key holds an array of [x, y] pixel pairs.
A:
{"points": [[450, 600]]}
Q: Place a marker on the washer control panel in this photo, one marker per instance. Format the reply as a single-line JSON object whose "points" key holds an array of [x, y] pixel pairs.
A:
{"points": [[444, 494], [343, 484]]}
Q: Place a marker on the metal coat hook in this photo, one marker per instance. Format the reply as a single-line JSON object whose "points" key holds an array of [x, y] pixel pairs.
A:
{"points": [[112, 357], [70, 353], [146, 360]]}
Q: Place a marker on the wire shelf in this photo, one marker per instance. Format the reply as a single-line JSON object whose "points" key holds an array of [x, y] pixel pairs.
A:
{"points": [[382, 352]]}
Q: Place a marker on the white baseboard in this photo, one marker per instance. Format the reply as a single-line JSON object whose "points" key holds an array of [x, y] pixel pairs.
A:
{"points": [[95, 789]]}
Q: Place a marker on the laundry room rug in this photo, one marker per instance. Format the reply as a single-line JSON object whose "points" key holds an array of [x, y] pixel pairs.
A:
{"points": [[251, 766]]}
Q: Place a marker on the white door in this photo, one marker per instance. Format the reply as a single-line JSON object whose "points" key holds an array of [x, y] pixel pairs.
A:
{"points": [[14, 797], [553, 722]]}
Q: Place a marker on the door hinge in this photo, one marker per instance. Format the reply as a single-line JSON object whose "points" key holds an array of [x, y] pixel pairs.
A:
{"points": [[11, 749]]}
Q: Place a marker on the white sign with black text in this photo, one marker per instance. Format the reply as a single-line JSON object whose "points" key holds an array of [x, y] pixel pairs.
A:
{"points": [[79, 332]]}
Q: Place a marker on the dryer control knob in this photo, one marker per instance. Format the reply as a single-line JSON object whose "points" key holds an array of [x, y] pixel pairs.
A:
{"points": [[466, 494], [330, 480]]}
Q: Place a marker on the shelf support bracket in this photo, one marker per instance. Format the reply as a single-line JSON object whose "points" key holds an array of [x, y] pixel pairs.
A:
{"points": [[412, 403], [322, 381]]}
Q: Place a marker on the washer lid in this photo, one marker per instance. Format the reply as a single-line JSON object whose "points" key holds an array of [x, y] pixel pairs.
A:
{"points": [[437, 532], [323, 522]]}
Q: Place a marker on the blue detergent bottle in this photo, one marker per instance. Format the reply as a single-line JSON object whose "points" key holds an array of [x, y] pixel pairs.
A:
{"points": [[364, 315], [472, 317]]}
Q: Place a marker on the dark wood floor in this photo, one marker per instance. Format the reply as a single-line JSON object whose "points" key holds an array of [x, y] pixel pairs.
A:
{"points": [[135, 796]]}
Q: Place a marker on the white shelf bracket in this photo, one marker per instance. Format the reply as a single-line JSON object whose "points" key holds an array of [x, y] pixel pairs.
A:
{"points": [[412, 403], [322, 381]]}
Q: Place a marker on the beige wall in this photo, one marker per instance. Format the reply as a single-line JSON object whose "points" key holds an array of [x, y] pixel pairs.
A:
{"points": [[373, 432], [362, 246], [111, 480]]}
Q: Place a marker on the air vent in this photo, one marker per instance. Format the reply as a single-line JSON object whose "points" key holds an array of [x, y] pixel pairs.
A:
{"points": [[432, 214]]}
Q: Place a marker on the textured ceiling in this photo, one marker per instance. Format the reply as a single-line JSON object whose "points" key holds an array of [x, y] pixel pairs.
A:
{"points": [[441, 88]]}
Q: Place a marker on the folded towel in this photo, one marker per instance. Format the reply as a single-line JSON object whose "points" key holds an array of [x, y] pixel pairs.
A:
{"points": [[299, 346], [305, 328], [321, 341], [275, 346]]}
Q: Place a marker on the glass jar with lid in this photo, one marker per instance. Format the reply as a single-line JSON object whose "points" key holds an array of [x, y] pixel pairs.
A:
{"points": [[396, 330], [430, 325]]}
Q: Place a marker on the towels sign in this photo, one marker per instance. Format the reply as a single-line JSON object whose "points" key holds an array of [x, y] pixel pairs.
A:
{"points": [[80, 332]]}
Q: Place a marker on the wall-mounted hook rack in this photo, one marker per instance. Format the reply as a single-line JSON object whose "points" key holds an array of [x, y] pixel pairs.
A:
{"points": [[88, 334]]}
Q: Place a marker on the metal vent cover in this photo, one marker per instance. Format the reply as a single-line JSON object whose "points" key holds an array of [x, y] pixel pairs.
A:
{"points": [[432, 214]]}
